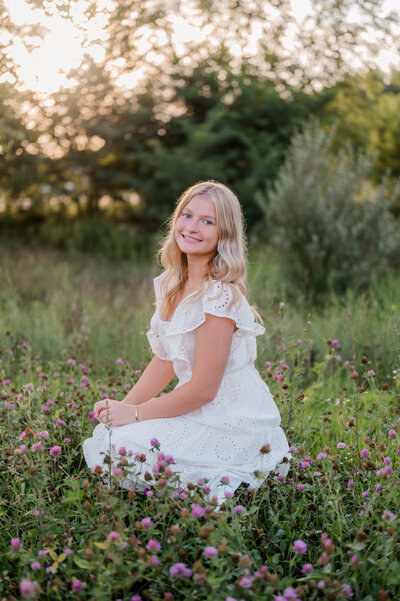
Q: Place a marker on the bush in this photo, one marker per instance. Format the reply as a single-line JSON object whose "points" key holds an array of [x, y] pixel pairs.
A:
{"points": [[332, 227]]}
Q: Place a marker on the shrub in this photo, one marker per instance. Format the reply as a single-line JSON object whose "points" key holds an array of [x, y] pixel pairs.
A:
{"points": [[332, 227]]}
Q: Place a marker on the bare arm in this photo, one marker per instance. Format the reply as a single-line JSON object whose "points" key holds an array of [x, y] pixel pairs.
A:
{"points": [[157, 375], [213, 344]]}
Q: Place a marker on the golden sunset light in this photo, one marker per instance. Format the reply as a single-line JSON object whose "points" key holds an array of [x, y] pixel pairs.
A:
{"points": [[199, 300], [46, 67]]}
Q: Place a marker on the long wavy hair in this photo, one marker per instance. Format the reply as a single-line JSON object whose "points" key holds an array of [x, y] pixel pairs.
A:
{"points": [[229, 262]]}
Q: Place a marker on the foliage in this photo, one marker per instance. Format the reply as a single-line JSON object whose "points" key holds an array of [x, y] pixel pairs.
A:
{"points": [[65, 534], [365, 112], [19, 167], [332, 226], [200, 111], [328, 40], [233, 131], [89, 234]]}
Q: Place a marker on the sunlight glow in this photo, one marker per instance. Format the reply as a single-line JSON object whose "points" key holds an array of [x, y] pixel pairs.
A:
{"points": [[46, 67]]}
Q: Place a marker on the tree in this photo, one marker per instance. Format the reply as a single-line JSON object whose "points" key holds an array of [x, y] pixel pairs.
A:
{"points": [[188, 117], [19, 164], [332, 227]]}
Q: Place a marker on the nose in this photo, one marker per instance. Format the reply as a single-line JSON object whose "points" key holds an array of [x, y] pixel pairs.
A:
{"points": [[193, 226]]}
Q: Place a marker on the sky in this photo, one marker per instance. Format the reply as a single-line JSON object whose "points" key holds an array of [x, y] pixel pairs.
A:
{"points": [[45, 68]]}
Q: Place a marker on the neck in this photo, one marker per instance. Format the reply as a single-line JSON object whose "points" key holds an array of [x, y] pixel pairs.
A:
{"points": [[198, 267]]}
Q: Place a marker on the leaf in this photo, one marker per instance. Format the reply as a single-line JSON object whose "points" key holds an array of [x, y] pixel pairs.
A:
{"points": [[53, 554], [327, 569], [102, 545], [82, 563], [394, 574], [71, 499], [252, 510]]}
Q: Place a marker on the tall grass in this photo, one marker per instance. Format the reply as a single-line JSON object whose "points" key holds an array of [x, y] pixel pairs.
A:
{"points": [[90, 306]]}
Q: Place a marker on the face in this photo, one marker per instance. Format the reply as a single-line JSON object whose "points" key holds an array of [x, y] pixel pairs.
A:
{"points": [[196, 227]]}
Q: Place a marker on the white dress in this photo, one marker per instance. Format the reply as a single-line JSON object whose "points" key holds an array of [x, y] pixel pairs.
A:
{"points": [[223, 437]]}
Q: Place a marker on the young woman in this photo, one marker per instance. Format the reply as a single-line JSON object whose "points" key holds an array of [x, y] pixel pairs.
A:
{"points": [[221, 413]]}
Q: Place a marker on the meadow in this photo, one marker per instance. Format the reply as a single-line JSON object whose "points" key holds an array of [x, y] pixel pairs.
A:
{"points": [[73, 330]]}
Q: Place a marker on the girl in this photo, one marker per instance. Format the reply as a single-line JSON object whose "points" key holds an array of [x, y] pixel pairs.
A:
{"points": [[221, 412]]}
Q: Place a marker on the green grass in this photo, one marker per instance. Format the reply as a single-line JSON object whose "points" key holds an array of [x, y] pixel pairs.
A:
{"points": [[55, 306]]}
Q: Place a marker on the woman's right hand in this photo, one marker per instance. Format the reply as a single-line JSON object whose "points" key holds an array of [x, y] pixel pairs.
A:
{"points": [[114, 413], [101, 406]]}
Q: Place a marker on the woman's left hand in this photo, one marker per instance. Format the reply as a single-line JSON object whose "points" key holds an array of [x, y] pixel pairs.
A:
{"points": [[113, 413]]}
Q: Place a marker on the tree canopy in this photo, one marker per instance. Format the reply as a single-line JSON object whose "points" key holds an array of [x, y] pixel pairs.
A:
{"points": [[223, 106]]}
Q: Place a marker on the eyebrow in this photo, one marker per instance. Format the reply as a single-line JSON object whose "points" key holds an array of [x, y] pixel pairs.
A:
{"points": [[208, 216]]}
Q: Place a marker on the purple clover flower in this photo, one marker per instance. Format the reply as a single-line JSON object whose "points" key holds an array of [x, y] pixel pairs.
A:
{"points": [[245, 582], [28, 588], [197, 511], [113, 535], [299, 546], [179, 569], [210, 552], [77, 585], [153, 545], [15, 544], [290, 594]]}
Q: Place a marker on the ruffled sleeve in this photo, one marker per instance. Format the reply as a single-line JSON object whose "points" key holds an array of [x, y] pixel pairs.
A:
{"points": [[154, 335], [189, 315], [157, 288], [218, 301], [174, 340]]}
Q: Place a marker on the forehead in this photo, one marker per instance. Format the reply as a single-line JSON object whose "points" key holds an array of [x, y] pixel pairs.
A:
{"points": [[201, 205]]}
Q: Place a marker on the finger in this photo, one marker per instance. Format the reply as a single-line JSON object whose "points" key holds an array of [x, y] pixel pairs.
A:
{"points": [[106, 417], [100, 406], [97, 412]]}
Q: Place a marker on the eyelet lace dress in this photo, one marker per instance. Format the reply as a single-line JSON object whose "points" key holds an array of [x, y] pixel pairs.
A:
{"points": [[221, 438]]}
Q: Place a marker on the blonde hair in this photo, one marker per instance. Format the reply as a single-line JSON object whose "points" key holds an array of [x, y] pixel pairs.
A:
{"points": [[229, 262]]}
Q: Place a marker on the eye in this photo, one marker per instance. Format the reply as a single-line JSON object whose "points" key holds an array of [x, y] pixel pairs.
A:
{"points": [[186, 215], [207, 222]]}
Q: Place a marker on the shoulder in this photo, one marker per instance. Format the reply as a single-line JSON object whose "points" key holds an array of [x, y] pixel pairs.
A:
{"points": [[157, 281], [159, 278], [224, 296], [223, 299]]}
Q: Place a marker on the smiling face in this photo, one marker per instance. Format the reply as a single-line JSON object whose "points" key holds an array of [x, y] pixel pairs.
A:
{"points": [[196, 227]]}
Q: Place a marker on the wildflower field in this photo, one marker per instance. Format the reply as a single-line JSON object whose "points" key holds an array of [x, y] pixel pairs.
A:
{"points": [[73, 332]]}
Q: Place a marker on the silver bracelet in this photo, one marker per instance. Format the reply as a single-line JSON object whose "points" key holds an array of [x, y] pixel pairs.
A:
{"points": [[136, 414]]}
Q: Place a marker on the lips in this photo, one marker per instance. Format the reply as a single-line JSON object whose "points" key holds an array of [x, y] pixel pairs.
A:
{"points": [[190, 239]]}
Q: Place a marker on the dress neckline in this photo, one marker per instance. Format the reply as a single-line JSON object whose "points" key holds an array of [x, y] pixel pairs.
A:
{"points": [[177, 307]]}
